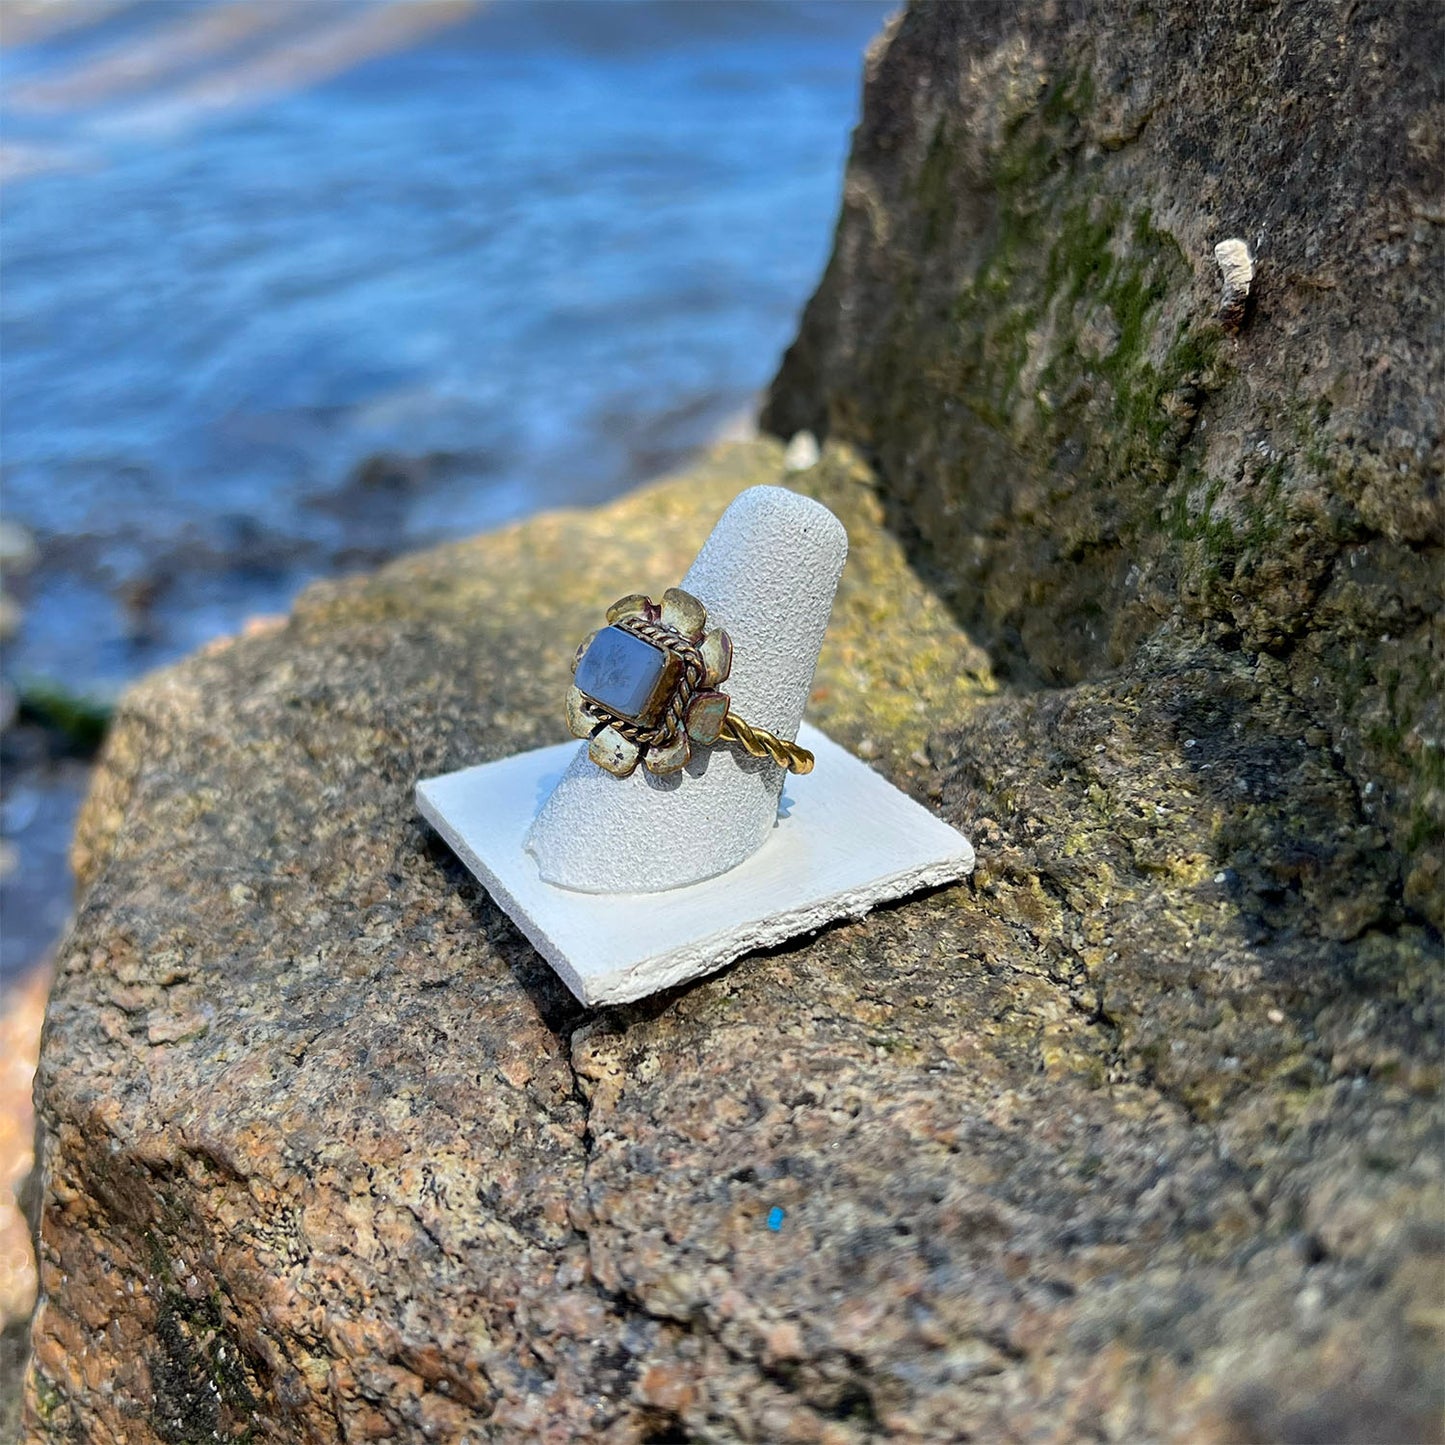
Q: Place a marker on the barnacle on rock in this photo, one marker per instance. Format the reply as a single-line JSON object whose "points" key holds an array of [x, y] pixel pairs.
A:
{"points": [[1236, 268]]}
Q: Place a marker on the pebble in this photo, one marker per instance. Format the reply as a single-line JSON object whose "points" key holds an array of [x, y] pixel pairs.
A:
{"points": [[17, 547], [802, 452]]}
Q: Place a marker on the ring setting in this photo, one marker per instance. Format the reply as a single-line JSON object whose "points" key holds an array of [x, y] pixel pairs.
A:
{"points": [[645, 689]]}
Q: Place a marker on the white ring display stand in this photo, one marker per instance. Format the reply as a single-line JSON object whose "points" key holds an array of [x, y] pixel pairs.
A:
{"points": [[630, 885]]}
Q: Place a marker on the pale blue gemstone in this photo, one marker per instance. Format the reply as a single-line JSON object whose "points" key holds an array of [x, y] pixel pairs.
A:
{"points": [[621, 671]]}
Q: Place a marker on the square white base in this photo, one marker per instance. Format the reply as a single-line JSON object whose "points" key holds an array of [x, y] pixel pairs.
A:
{"points": [[846, 840]]}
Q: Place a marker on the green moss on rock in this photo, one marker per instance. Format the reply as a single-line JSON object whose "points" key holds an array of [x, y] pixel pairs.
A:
{"points": [[1080, 456], [79, 722]]}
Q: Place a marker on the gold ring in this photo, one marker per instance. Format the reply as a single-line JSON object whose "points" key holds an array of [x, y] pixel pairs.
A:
{"points": [[645, 689]]}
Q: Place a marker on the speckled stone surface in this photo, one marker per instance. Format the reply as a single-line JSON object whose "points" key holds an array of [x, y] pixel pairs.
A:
{"points": [[1124, 1141]]}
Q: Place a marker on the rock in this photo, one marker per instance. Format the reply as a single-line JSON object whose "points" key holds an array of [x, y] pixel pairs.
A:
{"points": [[1132, 1139], [17, 546], [74, 722], [1020, 326], [802, 453], [1135, 1137], [22, 1007], [11, 616]]}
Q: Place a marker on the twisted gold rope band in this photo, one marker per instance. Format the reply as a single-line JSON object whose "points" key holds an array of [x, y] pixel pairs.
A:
{"points": [[762, 744]]}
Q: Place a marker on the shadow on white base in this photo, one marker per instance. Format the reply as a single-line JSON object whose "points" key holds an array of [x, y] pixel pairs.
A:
{"points": [[845, 841]]}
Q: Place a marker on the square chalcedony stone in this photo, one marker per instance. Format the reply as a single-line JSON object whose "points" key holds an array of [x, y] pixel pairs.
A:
{"points": [[627, 675]]}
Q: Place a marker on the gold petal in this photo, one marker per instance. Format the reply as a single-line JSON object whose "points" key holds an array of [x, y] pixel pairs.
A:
{"points": [[683, 612], [580, 722], [610, 750], [670, 759], [705, 714], [586, 643], [717, 657], [635, 604]]}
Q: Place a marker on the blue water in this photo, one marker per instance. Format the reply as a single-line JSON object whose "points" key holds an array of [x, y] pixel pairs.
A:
{"points": [[290, 286], [256, 332]]}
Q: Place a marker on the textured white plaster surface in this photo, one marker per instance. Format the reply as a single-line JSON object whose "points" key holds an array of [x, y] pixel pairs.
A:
{"points": [[767, 574], [845, 840]]}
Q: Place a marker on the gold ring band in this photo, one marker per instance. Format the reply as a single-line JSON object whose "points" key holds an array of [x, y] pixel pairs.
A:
{"points": [[760, 743], [645, 689]]}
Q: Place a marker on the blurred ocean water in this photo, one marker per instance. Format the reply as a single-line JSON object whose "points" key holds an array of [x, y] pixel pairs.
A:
{"points": [[290, 286]]}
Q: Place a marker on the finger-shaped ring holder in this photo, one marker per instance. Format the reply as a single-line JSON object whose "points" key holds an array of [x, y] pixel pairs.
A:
{"points": [[650, 804]]}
